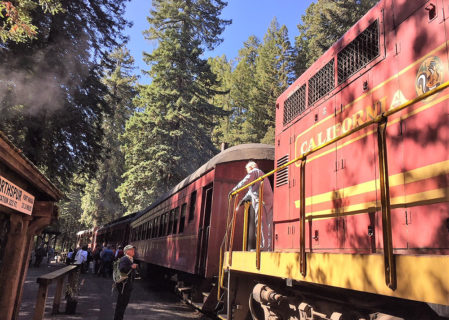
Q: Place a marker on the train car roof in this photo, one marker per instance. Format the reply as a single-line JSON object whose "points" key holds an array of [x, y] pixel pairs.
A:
{"points": [[250, 151], [119, 220]]}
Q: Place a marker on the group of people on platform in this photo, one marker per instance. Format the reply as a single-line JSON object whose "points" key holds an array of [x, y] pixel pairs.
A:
{"points": [[102, 259], [98, 261]]}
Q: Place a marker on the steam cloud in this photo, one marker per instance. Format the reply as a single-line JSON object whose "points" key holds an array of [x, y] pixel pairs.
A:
{"points": [[45, 79]]}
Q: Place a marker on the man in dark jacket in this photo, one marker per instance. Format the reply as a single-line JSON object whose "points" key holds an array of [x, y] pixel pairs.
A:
{"points": [[124, 288]]}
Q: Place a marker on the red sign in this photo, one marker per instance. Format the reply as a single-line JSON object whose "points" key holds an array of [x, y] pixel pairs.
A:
{"points": [[13, 197]]}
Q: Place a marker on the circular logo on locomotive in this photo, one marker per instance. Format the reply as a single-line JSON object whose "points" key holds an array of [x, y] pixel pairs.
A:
{"points": [[430, 75]]}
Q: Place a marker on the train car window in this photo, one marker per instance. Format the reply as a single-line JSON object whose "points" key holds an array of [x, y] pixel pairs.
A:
{"points": [[182, 221], [175, 220], [162, 231], [154, 232], [166, 224], [170, 224], [161, 223], [361, 51], [151, 228], [192, 206], [156, 227]]}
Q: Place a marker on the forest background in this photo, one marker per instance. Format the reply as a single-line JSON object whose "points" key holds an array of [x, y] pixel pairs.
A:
{"points": [[70, 100]]}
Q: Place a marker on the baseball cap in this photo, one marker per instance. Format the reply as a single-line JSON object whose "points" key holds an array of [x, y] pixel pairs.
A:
{"points": [[128, 247]]}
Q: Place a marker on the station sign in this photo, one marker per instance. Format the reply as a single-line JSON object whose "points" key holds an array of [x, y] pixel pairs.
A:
{"points": [[16, 198]]}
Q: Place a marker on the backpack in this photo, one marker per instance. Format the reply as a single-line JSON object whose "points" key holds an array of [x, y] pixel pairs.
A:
{"points": [[117, 275]]}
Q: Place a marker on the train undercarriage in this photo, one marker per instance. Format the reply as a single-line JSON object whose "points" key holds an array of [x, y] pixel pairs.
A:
{"points": [[268, 298]]}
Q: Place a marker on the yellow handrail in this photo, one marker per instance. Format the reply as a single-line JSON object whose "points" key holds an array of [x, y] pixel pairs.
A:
{"points": [[245, 226]]}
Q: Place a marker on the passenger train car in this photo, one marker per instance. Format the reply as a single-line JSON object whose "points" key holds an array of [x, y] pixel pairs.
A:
{"points": [[86, 237], [361, 192], [115, 233], [182, 231]]}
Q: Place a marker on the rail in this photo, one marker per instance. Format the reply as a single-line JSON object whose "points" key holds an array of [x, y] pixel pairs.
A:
{"points": [[44, 281], [389, 261]]}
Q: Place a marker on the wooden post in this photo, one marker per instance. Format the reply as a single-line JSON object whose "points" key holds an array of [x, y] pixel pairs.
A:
{"points": [[58, 294], [34, 228], [40, 301], [12, 266]]}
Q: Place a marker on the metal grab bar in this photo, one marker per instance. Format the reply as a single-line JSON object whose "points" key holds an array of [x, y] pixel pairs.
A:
{"points": [[245, 226], [381, 120], [259, 225]]}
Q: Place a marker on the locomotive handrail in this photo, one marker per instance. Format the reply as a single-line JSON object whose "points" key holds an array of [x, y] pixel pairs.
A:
{"points": [[381, 120]]}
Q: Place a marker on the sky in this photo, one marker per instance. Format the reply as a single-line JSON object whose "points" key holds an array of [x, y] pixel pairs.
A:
{"points": [[249, 17]]}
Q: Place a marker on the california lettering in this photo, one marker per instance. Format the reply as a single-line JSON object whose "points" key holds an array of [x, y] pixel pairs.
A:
{"points": [[356, 119]]}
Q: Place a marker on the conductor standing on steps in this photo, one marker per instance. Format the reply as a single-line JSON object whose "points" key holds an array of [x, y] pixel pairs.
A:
{"points": [[267, 206], [126, 266]]}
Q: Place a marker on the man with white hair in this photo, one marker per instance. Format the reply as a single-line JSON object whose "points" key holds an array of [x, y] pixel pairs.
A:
{"points": [[252, 195]]}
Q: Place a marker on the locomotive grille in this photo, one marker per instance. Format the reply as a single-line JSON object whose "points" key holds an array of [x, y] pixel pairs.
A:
{"points": [[282, 175], [295, 104], [361, 51], [322, 82]]}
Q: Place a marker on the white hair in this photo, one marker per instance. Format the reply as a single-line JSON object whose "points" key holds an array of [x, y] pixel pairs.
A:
{"points": [[251, 165]]}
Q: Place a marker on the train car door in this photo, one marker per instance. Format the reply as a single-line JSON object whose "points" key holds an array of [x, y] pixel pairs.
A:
{"points": [[321, 232], [204, 229], [425, 127], [319, 178], [356, 167]]}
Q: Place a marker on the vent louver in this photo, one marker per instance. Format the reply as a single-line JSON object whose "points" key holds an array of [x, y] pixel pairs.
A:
{"points": [[282, 175]]}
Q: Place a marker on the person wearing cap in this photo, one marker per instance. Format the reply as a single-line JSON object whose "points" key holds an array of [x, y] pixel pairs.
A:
{"points": [[126, 266]]}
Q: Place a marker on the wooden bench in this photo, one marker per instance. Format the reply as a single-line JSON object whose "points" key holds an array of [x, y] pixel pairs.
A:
{"points": [[44, 281]]}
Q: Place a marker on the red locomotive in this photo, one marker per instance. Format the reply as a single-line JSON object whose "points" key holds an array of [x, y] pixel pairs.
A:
{"points": [[361, 190]]}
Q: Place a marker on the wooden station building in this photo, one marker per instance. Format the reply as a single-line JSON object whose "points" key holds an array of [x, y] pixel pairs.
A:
{"points": [[27, 206]]}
